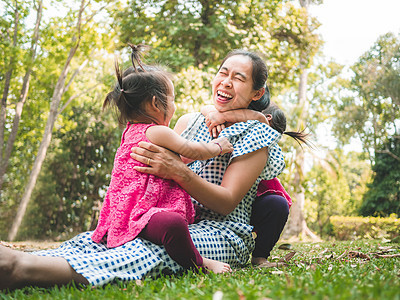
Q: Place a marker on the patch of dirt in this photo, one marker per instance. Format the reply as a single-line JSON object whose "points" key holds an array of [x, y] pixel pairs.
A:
{"points": [[29, 246]]}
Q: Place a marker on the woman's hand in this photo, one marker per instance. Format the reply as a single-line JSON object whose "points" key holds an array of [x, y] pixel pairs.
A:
{"points": [[161, 162]]}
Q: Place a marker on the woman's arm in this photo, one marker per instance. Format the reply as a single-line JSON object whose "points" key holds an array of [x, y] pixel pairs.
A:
{"points": [[166, 137], [237, 181]]}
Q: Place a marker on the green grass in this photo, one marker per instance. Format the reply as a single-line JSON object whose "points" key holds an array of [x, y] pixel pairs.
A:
{"points": [[317, 271]]}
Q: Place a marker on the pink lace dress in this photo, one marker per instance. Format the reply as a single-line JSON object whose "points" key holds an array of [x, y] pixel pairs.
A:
{"points": [[133, 197], [273, 186]]}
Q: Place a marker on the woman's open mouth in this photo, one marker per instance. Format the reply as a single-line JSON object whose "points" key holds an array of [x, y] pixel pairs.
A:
{"points": [[223, 96]]}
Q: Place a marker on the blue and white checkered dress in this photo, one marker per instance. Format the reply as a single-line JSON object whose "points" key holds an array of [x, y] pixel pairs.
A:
{"points": [[223, 238]]}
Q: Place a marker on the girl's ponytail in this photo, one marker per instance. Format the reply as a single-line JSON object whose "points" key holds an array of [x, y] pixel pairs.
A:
{"points": [[278, 122], [115, 96], [136, 55], [300, 137]]}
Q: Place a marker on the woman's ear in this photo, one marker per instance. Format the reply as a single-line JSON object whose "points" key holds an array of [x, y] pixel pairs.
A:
{"points": [[259, 93]]}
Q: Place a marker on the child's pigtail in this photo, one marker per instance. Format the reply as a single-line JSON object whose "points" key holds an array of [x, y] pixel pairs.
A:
{"points": [[137, 55], [118, 73], [278, 122], [115, 95], [300, 137], [122, 92]]}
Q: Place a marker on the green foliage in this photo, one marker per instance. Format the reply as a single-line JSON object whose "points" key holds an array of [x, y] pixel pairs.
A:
{"points": [[192, 91], [13, 46], [76, 174], [321, 94], [358, 173], [334, 186], [350, 228], [184, 34], [327, 194], [317, 271], [191, 37], [370, 110], [383, 196], [56, 36]]}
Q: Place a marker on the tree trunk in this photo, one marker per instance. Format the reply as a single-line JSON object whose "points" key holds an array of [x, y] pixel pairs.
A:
{"points": [[3, 109], [297, 226], [24, 94], [54, 107]]}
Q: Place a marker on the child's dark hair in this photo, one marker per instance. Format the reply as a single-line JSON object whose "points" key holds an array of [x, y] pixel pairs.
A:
{"points": [[278, 122], [137, 86]]}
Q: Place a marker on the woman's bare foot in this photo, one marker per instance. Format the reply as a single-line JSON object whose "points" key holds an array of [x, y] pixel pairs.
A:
{"points": [[216, 266]]}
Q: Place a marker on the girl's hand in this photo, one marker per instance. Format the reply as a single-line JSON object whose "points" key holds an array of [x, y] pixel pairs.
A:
{"points": [[215, 122], [226, 146]]}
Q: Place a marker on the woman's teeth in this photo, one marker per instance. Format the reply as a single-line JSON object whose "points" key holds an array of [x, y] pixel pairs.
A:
{"points": [[219, 93]]}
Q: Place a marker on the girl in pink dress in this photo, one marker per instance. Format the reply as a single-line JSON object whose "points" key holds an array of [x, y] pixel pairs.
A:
{"points": [[143, 205]]}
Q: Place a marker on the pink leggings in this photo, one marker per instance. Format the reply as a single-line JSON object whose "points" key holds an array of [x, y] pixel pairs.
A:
{"points": [[171, 230]]}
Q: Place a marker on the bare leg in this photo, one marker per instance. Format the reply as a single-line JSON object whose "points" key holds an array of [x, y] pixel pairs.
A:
{"points": [[19, 269], [216, 266]]}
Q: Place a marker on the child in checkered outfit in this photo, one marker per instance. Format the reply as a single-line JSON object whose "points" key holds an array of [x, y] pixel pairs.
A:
{"points": [[270, 192]]}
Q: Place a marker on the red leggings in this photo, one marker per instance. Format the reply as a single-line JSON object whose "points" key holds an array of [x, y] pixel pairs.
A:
{"points": [[171, 230]]}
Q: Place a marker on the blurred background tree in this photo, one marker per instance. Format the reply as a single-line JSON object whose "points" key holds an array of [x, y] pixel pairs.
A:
{"points": [[383, 196], [370, 112], [75, 175]]}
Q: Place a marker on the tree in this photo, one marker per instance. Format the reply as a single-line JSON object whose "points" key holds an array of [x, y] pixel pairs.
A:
{"points": [[334, 186], [196, 33], [77, 168], [5, 152], [383, 196], [297, 224], [83, 18], [327, 195], [187, 34], [371, 112]]}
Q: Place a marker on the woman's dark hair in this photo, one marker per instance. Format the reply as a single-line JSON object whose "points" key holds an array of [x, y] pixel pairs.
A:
{"points": [[278, 122], [259, 75], [136, 86]]}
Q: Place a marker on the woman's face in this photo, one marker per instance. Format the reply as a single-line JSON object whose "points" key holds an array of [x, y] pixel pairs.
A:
{"points": [[232, 87]]}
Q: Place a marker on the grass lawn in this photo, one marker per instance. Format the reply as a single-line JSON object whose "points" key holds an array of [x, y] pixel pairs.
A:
{"points": [[328, 270]]}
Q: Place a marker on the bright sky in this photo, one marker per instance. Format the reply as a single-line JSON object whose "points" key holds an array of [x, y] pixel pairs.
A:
{"points": [[350, 27]]}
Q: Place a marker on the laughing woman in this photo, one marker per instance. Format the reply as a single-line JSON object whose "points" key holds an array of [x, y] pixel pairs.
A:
{"points": [[222, 188]]}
